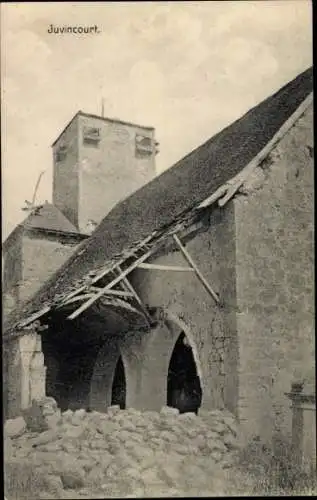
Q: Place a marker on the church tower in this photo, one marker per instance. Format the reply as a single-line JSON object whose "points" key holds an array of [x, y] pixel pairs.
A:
{"points": [[98, 162]]}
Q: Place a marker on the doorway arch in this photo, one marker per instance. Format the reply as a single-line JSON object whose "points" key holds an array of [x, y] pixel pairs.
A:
{"points": [[158, 348], [119, 387], [184, 390]]}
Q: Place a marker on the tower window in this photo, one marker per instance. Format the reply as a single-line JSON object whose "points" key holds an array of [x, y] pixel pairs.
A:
{"points": [[61, 154], [143, 145], [91, 136]]}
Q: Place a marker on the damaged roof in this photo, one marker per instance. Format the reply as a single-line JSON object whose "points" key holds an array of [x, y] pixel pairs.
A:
{"points": [[46, 218], [190, 181], [49, 217]]}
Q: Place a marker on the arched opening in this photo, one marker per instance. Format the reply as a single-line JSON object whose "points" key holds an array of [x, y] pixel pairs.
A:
{"points": [[183, 384], [69, 369], [118, 395]]}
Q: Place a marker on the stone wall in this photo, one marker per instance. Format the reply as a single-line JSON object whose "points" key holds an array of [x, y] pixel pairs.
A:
{"points": [[110, 169], [42, 255], [274, 247], [303, 399], [93, 177], [146, 356], [23, 373], [12, 270], [31, 258], [210, 328], [65, 173]]}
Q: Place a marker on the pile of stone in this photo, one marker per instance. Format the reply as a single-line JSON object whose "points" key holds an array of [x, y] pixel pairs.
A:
{"points": [[124, 452]]}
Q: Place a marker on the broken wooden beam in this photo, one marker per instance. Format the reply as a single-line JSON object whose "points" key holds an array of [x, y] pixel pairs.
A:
{"points": [[116, 280], [161, 267], [219, 193], [33, 317], [197, 271], [110, 267], [77, 298], [136, 296], [120, 293]]}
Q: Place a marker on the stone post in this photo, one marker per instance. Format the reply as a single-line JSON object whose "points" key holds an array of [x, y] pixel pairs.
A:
{"points": [[27, 344], [303, 399], [24, 372], [37, 372]]}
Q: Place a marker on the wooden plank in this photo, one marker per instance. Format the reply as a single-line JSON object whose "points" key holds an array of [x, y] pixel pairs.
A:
{"points": [[127, 271], [159, 267], [83, 296], [33, 317], [219, 193], [136, 296], [116, 302], [197, 271], [109, 268], [120, 293]]}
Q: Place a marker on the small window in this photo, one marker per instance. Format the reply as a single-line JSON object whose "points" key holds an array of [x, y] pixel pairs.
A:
{"points": [[61, 154], [91, 136], [143, 145]]}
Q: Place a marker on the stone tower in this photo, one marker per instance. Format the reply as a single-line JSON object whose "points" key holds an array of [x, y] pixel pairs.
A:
{"points": [[98, 162]]}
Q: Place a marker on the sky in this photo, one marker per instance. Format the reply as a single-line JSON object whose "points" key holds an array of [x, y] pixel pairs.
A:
{"points": [[186, 68]]}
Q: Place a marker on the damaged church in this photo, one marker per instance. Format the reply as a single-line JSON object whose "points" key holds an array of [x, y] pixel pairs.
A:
{"points": [[192, 289]]}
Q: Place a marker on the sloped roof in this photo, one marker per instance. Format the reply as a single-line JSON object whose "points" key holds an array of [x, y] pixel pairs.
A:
{"points": [[190, 181], [49, 217], [45, 217]]}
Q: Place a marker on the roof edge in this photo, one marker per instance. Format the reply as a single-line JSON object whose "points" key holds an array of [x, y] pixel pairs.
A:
{"points": [[13, 233], [103, 118], [115, 120], [65, 128], [56, 232], [21, 228], [227, 191]]}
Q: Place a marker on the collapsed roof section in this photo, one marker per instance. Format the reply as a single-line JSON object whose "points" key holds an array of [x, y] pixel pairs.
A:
{"points": [[155, 210]]}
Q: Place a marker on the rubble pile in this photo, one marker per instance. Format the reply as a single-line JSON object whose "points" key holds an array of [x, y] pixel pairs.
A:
{"points": [[124, 452]]}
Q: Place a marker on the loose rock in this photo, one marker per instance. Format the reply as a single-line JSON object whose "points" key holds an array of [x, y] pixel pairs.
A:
{"points": [[127, 451], [14, 427], [73, 477], [45, 437], [167, 410]]}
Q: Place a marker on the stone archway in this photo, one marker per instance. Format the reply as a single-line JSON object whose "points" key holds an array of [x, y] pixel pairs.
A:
{"points": [[145, 357], [103, 375], [157, 352], [183, 383], [117, 366]]}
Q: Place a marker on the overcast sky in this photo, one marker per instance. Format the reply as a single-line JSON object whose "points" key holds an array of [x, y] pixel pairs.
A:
{"points": [[186, 68]]}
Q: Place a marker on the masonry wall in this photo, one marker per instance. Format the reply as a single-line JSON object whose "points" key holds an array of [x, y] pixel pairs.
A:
{"points": [[274, 245], [42, 255], [110, 169], [211, 328], [11, 379], [12, 271], [65, 173]]}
